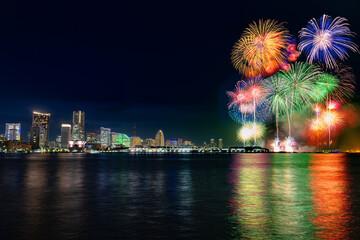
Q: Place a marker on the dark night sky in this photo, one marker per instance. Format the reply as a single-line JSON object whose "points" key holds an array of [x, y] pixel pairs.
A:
{"points": [[158, 64]]}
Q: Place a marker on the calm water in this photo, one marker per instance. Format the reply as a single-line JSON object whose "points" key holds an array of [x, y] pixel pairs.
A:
{"points": [[121, 196]]}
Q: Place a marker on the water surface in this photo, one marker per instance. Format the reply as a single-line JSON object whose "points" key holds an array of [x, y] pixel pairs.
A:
{"points": [[179, 196]]}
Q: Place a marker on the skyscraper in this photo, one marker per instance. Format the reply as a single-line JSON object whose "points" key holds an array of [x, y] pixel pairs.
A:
{"points": [[212, 143], [13, 131], [221, 145], [113, 137], [159, 139], [78, 131], [65, 135], [105, 137], [39, 133]]}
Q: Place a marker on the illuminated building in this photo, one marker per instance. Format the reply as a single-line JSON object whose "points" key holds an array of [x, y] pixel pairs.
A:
{"points": [[212, 143], [135, 141], [76, 145], [105, 137], [113, 136], [167, 143], [92, 138], [221, 145], [65, 135], [78, 131], [180, 142], [149, 142], [159, 139], [34, 137], [174, 143], [39, 133], [187, 143], [13, 131]]}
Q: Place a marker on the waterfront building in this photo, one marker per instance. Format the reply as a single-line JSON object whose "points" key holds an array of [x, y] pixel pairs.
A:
{"points": [[221, 145], [78, 131], [212, 143], [149, 142], [34, 137], [167, 143], [180, 142], [65, 135], [113, 137], [92, 138], [39, 132], [135, 141], [122, 140], [105, 137], [13, 131], [159, 139], [174, 143], [187, 143]]}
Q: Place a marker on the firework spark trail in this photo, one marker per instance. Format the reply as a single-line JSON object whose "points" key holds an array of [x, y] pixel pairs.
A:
{"points": [[247, 101], [326, 40], [273, 93], [346, 85], [324, 86], [297, 90]]}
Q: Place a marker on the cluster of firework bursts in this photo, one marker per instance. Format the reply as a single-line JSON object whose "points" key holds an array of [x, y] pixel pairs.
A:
{"points": [[276, 83]]}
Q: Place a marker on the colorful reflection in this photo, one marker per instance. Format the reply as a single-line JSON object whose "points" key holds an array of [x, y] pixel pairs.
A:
{"points": [[329, 187], [250, 216], [271, 197], [290, 200]]}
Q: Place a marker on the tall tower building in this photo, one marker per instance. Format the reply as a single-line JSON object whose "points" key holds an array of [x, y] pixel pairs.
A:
{"points": [[105, 137], [13, 131], [221, 144], [212, 143], [39, 133], [65, 135], [159, 139], [78, 131]]}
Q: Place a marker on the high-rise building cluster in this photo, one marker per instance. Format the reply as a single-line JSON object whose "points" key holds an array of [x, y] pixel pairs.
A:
{"points": [[73, 136]]}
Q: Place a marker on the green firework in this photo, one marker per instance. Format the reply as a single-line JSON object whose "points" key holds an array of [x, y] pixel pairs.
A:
{"points": [[325, 85], [299, 84]]}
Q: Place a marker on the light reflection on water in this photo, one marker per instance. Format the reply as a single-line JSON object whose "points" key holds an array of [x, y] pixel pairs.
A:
{"points": [[290, 196], [225, 196]]}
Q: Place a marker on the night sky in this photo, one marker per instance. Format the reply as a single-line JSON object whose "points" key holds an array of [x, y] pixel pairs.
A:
{"points": [[157, 64]]}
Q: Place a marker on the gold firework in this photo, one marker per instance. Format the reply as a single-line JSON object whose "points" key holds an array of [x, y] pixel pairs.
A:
{"points": [[261, 48]]}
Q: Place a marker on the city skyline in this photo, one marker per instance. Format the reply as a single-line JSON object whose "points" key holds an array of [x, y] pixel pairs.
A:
{"points": [[80, 133]]}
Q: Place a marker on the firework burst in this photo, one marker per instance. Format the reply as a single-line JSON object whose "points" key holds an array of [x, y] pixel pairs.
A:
{"points": [[325, 85], [346, 85], [298, 88], [251, 131], [247, 101], [261, 49], [326, 40]]}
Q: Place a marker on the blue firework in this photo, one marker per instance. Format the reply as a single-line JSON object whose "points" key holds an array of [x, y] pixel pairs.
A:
{"points": [[327, 40]]}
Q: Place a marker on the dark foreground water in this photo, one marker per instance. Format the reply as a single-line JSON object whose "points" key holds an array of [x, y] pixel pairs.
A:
{"points": [[121, 196]]}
